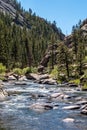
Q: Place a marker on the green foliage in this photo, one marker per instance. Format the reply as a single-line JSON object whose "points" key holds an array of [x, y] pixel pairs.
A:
{"points": [[64, 59], [27, 70], [17, 71], [54, 72], [62, 78], [84, 87], [75, 81], [2, 68], [34, 69], [26, 46]]}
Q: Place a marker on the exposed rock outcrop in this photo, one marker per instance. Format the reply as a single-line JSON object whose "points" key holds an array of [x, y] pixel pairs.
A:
{"points": [[8, 7], [48, 55]]}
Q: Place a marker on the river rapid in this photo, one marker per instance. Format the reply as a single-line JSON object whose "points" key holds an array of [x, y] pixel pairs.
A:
{"points": [[16, 113]]}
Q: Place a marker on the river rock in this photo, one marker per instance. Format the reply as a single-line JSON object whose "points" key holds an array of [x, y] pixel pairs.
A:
{"points": [[72, 85], [23, 78], [32, 76], [73, 107], [83, 107], [20, 83], [49, 81], [41, 106], [11, 77], [3, 94], [35, 95], [67, 97], [84, 111], [68, 120], [44, 76], [81, 102], [55, 95]]}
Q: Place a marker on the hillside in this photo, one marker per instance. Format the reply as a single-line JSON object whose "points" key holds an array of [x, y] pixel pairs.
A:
{"points": [[24, 36], [27, 40]]}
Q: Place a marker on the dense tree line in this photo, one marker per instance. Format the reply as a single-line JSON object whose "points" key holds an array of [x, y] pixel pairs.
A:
{"points": [[72, 60], [21, 46]]}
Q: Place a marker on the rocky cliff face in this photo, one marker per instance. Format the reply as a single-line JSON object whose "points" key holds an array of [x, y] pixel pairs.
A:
{"points": [[8, 7]]}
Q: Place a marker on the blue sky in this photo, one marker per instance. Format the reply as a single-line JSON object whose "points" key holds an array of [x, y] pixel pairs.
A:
{"points": [[66, 13]]}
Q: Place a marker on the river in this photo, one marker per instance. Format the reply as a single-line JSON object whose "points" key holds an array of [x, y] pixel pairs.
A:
{"points": [[15, 113]]}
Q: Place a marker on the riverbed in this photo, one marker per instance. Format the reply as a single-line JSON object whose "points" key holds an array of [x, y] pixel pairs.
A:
{"points": [[15, 112]]}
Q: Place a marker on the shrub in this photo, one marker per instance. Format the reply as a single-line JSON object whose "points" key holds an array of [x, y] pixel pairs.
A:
{"points": [[76, 81], [2, 68], [34, 70], [27, 70], [54, 73], [17, 71], [84, 87]]}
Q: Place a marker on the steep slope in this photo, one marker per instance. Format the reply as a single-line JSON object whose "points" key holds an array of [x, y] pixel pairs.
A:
{"points": [[20, 16], [9, 7], [80, 30], [24, 36]]}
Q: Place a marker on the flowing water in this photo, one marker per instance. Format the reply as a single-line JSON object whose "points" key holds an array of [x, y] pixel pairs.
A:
{"points": [[16, 115]]}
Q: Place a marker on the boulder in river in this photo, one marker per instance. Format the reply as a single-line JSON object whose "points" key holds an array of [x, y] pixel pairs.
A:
{"points": [[20, 83], [40, 107], [55, 95], [49, 81], [84, 111], [68, 120], [83, 102], [73, 107], [23, 78], [11, 77], [3, 94], [32, 76]]}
